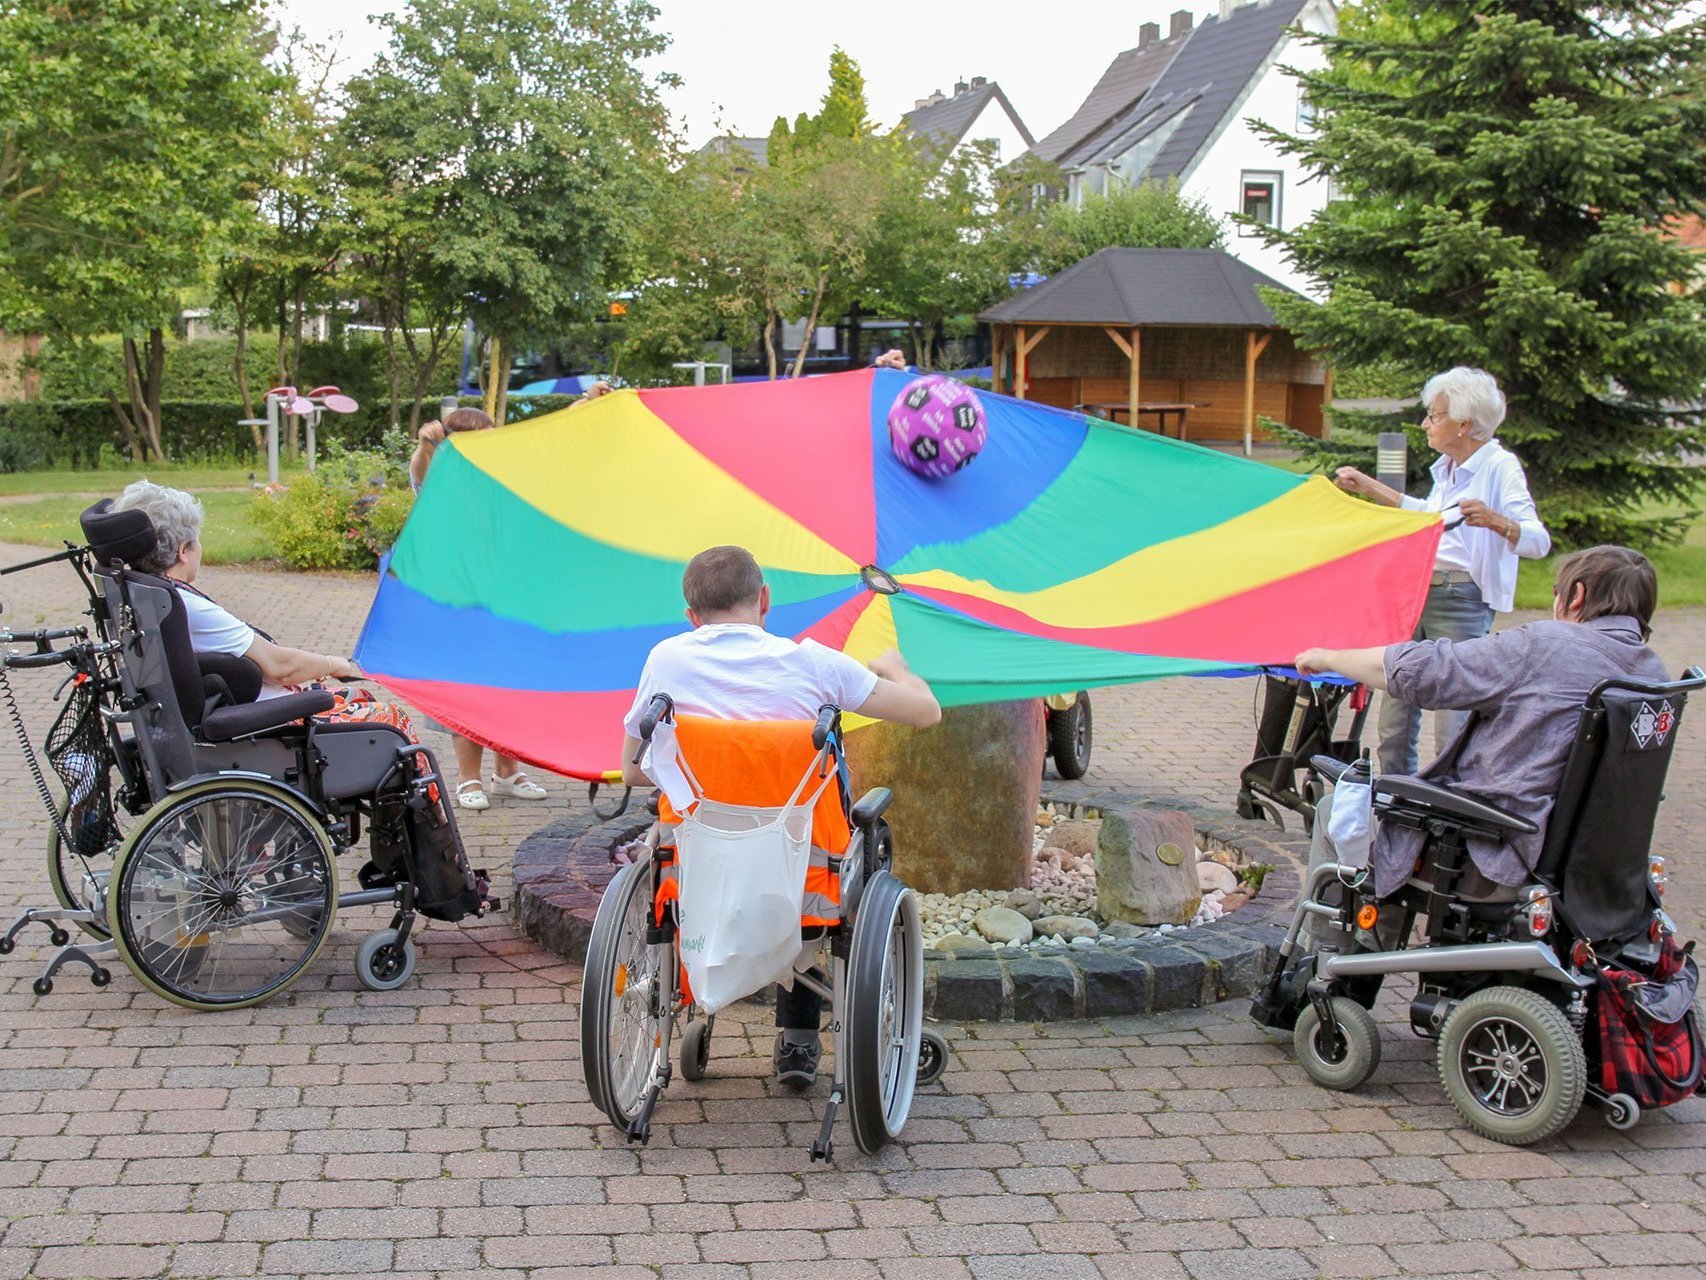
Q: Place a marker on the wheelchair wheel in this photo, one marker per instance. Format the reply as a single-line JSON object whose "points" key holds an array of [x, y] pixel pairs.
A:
{"points": [[1069, 738], [696, 1049], [884, 1011], [627, 998], [382, 963], [1512, 1065], [932, 1057], [1352, 1060], [66, 874], [204, 885]]}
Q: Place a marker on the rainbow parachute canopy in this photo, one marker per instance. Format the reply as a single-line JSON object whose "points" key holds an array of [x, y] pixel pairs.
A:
{"points": [[543, 560]]}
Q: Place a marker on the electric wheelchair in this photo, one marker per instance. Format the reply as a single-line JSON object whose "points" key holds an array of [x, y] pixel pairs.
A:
{"points": [[1506, 978], [195, 829], [858, 946]]}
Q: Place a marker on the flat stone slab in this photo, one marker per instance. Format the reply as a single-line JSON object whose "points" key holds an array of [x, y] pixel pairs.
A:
{"points": [[562, 869]]}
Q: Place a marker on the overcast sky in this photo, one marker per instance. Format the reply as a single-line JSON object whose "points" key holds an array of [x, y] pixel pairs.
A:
{"points": [[743, 62]]}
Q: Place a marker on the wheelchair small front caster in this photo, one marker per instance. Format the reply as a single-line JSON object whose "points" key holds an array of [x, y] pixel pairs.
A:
{"points": [[696, 1049], [1622, 1112], [58, 937], [383, 962], [42, 986], [932, 1057], [100, 977], [6, 946]]}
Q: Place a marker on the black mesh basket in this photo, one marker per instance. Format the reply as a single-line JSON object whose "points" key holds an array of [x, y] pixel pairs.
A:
{"points": [[82, 756]]}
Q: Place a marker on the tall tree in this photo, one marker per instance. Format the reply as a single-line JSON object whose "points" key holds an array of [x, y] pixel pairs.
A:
{"points": [[125, 130], [1505, 172], [522, 125]]}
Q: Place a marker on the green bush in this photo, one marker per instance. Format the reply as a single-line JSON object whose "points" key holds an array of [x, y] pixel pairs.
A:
{"points": [[84, 434], [345, 514]]}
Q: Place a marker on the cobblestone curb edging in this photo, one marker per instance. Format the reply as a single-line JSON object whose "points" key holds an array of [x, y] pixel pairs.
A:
{"points": [[561, 871]]}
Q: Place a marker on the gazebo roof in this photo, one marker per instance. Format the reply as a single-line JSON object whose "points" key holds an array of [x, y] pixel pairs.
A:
{"points": [[1161, 287]]}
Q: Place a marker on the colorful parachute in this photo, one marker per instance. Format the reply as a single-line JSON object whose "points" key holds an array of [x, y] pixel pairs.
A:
{"points": [[542, 561]]}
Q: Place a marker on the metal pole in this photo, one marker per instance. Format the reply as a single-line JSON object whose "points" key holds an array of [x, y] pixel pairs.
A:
{"points": [[273, 406], [447, 405], [309, 422], [1390, 459]]}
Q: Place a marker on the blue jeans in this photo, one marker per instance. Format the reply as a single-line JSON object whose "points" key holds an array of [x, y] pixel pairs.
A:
{"points": [[1455, 611]]}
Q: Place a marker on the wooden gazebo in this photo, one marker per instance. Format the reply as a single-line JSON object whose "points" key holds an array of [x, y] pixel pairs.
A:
{"points": [[1136, 334]]}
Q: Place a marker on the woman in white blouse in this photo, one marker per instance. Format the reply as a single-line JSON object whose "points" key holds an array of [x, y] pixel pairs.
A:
{"points": [[1490, 521]]}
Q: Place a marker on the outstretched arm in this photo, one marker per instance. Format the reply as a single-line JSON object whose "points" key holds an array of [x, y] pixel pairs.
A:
{"points": [[899, 695], [1366, 666], [283, 665]]}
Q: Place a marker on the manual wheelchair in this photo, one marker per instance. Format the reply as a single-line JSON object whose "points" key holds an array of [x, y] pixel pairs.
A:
{"points": [[1506, 977], [859, 945], [195, 831]]}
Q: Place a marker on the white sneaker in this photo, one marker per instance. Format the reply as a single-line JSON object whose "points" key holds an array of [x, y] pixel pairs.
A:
{"points": [[472, 795], [518, 786]]}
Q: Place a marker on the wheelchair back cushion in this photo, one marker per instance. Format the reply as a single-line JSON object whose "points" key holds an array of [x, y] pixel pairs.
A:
{"points": [[1601, 830], [757, 762]]}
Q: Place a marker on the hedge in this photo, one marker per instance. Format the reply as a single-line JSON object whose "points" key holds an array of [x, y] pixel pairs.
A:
{"points": [[81, 434]]}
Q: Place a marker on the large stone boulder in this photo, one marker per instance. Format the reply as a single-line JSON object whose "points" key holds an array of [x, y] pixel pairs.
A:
{"points": [[1146, 867], [965, 793]]}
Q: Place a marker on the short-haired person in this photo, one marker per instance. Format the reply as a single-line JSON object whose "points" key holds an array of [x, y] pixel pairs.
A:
{"points": [[728, 667], [508, 779], [1491, 521], [1523, 689]]}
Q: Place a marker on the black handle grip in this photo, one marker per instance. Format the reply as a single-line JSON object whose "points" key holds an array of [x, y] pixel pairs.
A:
{"points": [[661, 707], [827, 715], [24, 661], [1330, 767]]}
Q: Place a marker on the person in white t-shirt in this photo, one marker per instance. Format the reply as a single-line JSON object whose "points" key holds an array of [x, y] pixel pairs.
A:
{"points": [[177, 518], [729, 668], [1490, 522]]}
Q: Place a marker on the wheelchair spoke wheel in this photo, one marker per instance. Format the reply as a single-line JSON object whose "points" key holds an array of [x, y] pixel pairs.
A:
{"points": [[69, 875], [1512, 1065], [222, 895], [627, 998], [884, 1011], [1339, 1062]]}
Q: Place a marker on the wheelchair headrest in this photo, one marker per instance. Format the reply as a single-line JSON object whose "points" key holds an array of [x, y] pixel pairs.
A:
{"points": [[122, 536]]}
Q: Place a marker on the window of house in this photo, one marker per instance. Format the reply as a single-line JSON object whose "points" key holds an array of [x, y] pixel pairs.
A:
{"points": [[1305, 112], [1260, 199]]}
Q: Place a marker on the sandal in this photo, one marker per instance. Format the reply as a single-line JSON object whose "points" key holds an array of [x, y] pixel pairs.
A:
{"points": [[472, 795], [518, 786]]}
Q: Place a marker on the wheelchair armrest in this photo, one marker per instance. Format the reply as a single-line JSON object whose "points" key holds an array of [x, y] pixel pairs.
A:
{"points": [[223, 724], [1414, 795], [872, 805]]}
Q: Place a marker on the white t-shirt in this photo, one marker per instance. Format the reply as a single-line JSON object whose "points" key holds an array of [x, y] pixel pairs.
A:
{"points": [[215, 629], [739, 671]]}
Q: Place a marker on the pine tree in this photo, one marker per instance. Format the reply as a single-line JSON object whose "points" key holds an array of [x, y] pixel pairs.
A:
{"points": [[1505, 173]]}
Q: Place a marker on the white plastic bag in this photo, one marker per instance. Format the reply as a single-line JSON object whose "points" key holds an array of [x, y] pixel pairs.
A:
{"points": [[742, 885], [1350, 824]]}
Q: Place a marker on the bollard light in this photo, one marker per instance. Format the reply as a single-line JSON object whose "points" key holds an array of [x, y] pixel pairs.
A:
{"points": [[1390, 459]]}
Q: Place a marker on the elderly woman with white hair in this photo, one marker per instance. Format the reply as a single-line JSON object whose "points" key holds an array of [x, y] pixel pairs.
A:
{"points": [[177, 518], [1490, 521]]}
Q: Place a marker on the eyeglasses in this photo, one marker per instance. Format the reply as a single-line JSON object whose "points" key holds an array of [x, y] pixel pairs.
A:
{"points": [[1431, 416]]}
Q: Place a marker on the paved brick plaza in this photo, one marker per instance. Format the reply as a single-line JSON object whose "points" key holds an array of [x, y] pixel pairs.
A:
{"points": [[442, 1130]]}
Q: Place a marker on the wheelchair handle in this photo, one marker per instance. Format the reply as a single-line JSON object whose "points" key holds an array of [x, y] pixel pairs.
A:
{"points": [[827, 715], [1330, 767], [661, 707], [53, 657]]}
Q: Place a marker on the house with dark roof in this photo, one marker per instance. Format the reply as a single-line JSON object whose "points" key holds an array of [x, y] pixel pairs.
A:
{"points": [[978, 111], [1198, 94], [1157, 336]]}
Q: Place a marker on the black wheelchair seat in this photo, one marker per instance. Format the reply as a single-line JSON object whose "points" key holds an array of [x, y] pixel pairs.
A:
{"points": [[1399, 796]]}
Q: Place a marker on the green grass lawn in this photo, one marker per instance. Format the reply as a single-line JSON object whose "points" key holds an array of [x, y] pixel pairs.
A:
{"points": [[229, 535], [189, 476]]}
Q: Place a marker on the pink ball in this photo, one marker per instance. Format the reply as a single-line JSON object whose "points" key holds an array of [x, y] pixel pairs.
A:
{"points": [[937, 426]]}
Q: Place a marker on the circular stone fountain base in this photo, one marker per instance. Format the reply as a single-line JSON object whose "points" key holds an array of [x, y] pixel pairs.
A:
{"points": [[561, 871]]}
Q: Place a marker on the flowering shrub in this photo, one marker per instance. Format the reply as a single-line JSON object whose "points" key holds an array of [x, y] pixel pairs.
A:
{"points": [[346, 513]]}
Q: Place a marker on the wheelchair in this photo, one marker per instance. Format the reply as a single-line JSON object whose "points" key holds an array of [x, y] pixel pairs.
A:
{"points": [[1299, 721], [859, 948], [1506, 979], [194, 831]]}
